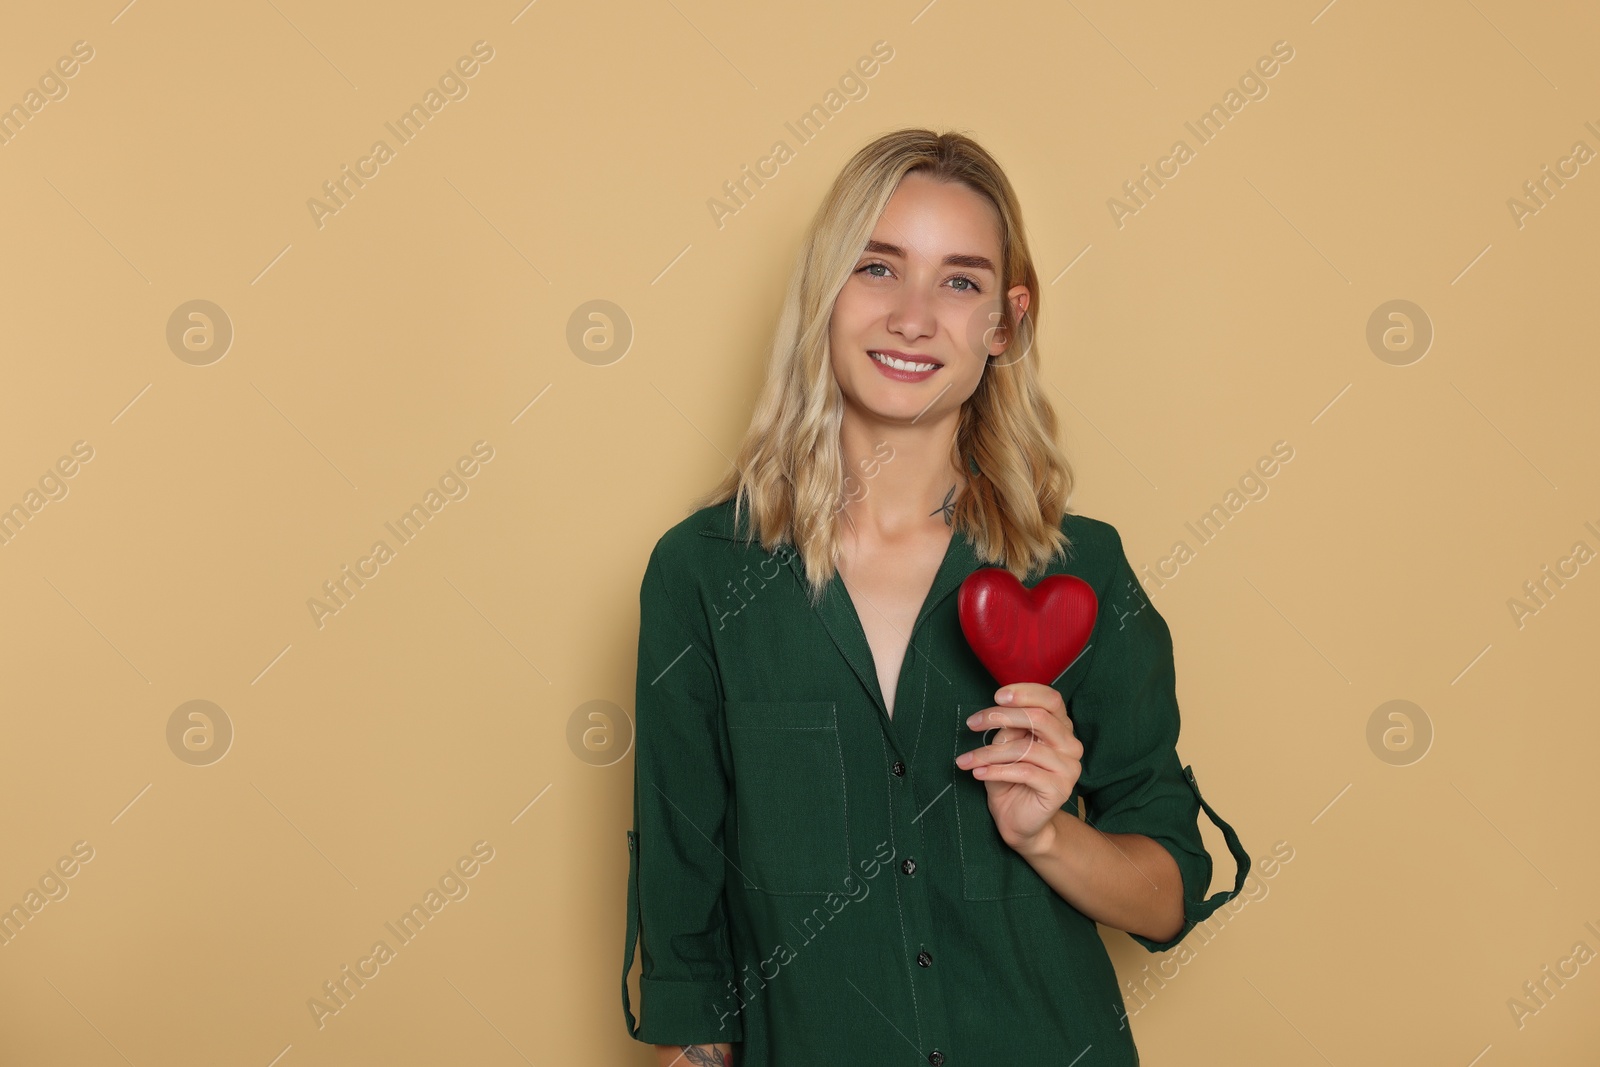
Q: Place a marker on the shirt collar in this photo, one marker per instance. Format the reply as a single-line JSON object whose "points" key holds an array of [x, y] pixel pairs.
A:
{"points": [[837, 611]]}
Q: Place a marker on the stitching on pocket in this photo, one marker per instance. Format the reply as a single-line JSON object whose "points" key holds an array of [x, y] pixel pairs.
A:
{"points": [[774, 776]]}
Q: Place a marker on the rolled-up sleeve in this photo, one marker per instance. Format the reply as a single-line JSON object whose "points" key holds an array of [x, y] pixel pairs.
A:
{"points": [[676, 864], [1125, 712]]}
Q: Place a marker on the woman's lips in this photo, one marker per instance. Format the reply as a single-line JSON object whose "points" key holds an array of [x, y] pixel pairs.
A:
{"points": [[900, 375]]}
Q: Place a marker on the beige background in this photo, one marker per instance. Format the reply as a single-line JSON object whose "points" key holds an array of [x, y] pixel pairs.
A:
{"points": [[432, 311]]}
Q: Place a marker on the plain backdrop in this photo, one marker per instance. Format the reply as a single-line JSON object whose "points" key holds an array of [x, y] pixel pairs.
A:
{"points": [[1440, 860]]}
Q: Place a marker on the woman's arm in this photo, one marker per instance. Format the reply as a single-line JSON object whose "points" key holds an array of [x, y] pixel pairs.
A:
{"points": [[1140, 838], [1126, 881], [694, 1055], [677, 909]]}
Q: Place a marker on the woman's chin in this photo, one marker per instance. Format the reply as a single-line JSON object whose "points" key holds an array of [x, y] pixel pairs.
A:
{"points": [[895, 410]]}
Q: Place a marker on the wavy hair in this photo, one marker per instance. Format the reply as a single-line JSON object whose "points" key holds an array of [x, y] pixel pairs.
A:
{"points": [[790, 471]]}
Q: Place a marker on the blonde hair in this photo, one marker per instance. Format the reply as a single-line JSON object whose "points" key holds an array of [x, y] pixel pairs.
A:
{"points": [[790, 469]]}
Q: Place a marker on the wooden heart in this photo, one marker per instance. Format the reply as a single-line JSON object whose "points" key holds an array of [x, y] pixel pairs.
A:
{"points": [[1022, 634]]}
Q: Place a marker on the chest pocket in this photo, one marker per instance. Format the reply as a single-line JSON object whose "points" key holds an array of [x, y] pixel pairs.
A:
{"points": [[789, 795], [990, 868]]}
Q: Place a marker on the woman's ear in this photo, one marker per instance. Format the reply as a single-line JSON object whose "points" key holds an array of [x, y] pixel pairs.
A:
{"points": [[1020, 299]]}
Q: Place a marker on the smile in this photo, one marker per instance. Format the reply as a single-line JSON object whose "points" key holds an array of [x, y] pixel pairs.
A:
{"points": [[903, 369]]}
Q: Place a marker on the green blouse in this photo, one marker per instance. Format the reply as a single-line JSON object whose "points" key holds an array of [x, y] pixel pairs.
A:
{"points": [[822, 883]]}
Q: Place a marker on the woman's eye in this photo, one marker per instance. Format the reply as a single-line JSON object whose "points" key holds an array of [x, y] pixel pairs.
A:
{"points": [[870, 270]]}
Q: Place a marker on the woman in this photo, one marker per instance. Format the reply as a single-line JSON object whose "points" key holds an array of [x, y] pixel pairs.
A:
{"points": [[828, 864]]}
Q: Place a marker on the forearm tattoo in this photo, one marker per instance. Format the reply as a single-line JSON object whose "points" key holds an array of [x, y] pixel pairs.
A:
{"points": [[706, 1057]]}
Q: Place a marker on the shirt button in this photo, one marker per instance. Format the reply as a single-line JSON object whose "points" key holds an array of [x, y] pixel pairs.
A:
{"points": [[924, 958], [899, 769], [935, 1057], [909, 866]]}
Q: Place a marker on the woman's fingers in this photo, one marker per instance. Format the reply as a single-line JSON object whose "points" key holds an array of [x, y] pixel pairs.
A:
{"points": [[1024, 748], [1054, 730], [1031, 694], [1028, 774]]}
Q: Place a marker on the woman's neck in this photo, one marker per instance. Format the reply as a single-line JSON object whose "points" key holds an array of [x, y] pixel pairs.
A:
{"points": [[898, 477]]}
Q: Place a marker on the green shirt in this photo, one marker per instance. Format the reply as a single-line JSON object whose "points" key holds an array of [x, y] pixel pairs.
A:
{"points": [[821, 882]]}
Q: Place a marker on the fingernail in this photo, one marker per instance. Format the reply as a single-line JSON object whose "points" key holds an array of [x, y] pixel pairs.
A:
{"points": [[1003, 697]]}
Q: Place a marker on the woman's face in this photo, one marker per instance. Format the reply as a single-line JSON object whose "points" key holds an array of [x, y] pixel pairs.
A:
{"points": [[925, 292]]}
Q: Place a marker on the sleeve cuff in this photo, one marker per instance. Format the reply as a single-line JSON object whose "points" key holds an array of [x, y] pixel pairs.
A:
{"points": [[688, 1013], [1195, 874], [1196, 871]]}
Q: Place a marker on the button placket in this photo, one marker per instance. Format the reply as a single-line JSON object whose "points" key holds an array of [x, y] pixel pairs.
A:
{"points": [[916, 911]]}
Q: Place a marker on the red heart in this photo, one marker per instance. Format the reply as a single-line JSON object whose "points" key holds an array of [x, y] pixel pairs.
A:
{"points": [[1021, 634]]}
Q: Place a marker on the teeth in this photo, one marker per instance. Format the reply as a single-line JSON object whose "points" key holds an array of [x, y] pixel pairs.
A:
{"points": [[900, 364]]}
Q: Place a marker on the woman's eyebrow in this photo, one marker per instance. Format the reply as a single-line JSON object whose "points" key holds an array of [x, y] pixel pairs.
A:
{"points": [[954, 259]]}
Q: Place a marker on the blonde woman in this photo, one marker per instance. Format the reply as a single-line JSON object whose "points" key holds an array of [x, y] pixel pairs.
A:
{"points": [[850, 847]]}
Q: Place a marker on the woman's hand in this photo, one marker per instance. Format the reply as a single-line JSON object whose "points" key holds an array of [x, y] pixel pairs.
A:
{"points": [[1031, 766]]}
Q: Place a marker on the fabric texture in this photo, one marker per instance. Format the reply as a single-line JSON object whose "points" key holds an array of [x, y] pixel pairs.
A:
{"points": [[819, 882]]}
